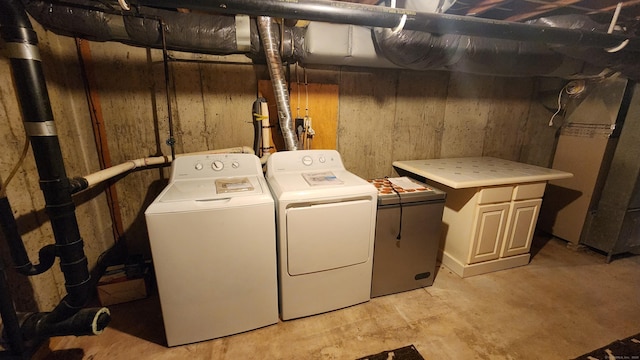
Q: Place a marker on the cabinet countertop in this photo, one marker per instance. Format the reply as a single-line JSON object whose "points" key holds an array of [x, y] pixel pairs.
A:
{"points": [[459, 173]]}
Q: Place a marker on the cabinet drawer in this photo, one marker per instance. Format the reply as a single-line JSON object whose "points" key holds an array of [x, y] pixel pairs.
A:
{"points": [[529, 191], [495, 194]]}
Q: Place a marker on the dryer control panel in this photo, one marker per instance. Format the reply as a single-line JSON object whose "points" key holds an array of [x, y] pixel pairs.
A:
{"points": [[208, 166], [304, 160]]}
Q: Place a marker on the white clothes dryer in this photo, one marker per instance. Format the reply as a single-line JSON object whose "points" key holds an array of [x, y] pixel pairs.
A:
{"points": [[325, 232], [212, 236]]}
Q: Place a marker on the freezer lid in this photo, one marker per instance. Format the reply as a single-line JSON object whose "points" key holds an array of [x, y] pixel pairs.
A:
{"points": [[406, 190]]}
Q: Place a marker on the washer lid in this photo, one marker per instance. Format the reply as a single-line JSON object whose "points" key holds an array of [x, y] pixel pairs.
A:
{"points": [[211, 189]]}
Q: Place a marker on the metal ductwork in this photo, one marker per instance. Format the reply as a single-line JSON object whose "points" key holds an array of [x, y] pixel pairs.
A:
{"points": [[379, 16], [278, 80], [28, 78], [478, 55], [428, 40], [191, 32]]}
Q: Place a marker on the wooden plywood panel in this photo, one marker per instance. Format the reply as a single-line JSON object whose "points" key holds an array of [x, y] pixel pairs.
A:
{"points": [[322, 109], [365, 130], [466, 115], [419, 115]]}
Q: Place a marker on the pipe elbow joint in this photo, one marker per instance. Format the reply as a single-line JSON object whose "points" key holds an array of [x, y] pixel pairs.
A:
{"points": [[46, 255], [90, 321], [78, 184]]}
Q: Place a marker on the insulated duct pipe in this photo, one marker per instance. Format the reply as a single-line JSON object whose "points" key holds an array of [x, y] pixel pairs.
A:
{"points": [[476, 53], [21, 43], [380, 16], [194, 32], [278, 81]]}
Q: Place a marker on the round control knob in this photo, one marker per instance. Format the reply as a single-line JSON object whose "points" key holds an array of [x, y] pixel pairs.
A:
{"points": [[217, 165], [322, 159], [235, 164], [199, 166], [307, 160]]}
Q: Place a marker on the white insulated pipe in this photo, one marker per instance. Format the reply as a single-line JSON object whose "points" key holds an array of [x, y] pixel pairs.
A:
{"points": [[108, 173], [266, 129]]}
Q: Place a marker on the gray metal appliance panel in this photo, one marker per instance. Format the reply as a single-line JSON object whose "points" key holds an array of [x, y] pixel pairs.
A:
{"points": [[408, 263]]}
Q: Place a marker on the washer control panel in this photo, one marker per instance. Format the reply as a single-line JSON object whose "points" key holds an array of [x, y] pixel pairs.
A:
{"points": [[304, 160], [214, 166]]}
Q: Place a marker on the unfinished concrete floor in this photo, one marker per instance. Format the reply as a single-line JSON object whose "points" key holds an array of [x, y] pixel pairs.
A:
{"points": [[563, 304]]}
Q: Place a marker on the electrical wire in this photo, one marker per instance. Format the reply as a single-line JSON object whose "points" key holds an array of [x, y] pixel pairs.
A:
{"points": [[559, 105], [399, 237], [23, 155], [298, 92]]}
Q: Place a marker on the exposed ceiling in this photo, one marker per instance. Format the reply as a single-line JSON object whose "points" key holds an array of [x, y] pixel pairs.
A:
{"points": [[523, 10]]}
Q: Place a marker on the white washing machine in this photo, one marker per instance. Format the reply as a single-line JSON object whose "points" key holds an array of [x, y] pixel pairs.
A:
{"points": [[325, 227], [212, 235]]}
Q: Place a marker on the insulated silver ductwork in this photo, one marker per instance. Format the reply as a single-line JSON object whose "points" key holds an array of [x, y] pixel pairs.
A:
{"points": [[430, 41], [191, 32], [477, 55], [617, 58], [278, 80]]}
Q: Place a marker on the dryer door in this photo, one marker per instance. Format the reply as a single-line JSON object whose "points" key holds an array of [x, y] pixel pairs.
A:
{"points": [[328, 236]]}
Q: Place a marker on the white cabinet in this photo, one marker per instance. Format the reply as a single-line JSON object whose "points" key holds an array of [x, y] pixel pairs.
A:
{"points": [[522, 224], [488, 232], [491, 209], [489, 228]]}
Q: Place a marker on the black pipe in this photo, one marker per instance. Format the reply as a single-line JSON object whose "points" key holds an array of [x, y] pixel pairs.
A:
{"points": [[84, 322], [22, 264], [380, 16], [10, 322], [257, 126], [21, 43]]}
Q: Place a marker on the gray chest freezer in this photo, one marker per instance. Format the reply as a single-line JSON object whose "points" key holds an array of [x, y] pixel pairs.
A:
{"points": [[408, 226]]}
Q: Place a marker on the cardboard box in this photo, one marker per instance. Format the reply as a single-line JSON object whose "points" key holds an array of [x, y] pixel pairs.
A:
{"points": [[115, 288]]}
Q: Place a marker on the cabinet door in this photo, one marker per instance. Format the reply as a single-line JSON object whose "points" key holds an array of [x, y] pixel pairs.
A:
{"points": [[522, 224], [488, 232]]}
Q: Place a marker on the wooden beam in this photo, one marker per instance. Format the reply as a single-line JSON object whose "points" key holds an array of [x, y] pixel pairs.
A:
{"points": [[484, 6], [99, 132], [541, 10], [612, 8]]}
